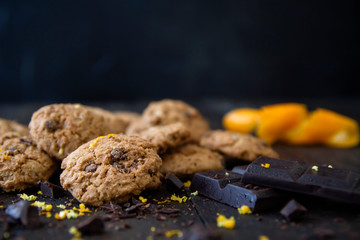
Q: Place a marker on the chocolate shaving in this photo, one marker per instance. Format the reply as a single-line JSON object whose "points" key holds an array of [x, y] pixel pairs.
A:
{"points": [[133, 207], [161, 218], [168, 210]]}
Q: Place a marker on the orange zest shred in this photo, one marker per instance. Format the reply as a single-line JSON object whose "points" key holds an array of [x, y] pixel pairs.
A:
{"points": [[187, 184], [174, 232], [178, 199], [224, 222], [244, 210], [265, 165], [95, 142]]}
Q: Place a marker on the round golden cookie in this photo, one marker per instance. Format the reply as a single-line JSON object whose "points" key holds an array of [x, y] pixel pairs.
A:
{"points": [[167, 136], [171, 111], [127, 117], [111, 168], [186, 160], [59, 129], [10, 126], [237, 145], [22, 165]]}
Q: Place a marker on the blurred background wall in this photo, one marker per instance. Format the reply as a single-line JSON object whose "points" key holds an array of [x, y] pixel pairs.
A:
{"points": [[131, 49]]}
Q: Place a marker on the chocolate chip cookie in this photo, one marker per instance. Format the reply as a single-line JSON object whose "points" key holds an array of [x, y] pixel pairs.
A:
{"points": [[186, 160], [111, 168], [10, 126], [22, 165], [127, 117], [171, 111], [59, 129], [167, 136], [237, 145]]}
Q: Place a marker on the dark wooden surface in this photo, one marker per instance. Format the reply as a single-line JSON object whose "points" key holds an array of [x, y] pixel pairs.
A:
{"points": [[325, 219]]}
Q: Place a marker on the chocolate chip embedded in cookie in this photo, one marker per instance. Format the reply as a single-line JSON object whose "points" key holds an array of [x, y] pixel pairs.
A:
{"points": [[111, 168], [167, 136], [59, 129], [236, 145], [22, 165], [10, 126], [171, 111], [186, 160]]}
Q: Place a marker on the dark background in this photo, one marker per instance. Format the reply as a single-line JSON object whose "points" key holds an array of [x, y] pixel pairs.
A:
{"points": [[133, 49]]}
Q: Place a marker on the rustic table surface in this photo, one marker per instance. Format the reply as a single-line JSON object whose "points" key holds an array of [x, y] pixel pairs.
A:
{"points": [[325, 219]]}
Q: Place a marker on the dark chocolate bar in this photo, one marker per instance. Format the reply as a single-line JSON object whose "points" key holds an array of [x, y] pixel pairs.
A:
{"points": [[326, 182], [226, 187]]}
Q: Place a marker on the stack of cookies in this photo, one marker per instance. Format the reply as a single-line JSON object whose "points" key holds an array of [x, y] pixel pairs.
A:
{"points": [[108, 156]]}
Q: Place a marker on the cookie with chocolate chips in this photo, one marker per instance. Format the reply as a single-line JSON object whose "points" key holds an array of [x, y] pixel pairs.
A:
{"points": [[127, 117], [171, 111], [59, 129], [237, 145], [167, 136], [186, 160], [111, 168], [11, 126], [22, 165]]}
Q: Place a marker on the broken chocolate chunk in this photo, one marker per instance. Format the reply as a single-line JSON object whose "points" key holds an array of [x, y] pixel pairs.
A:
{"points": [[51, 125], [91, 168], [24, 213], [226, 187], [173, 182], [91, 225], [293, 210], [198, 232], [51, 190], [332, 183]]}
